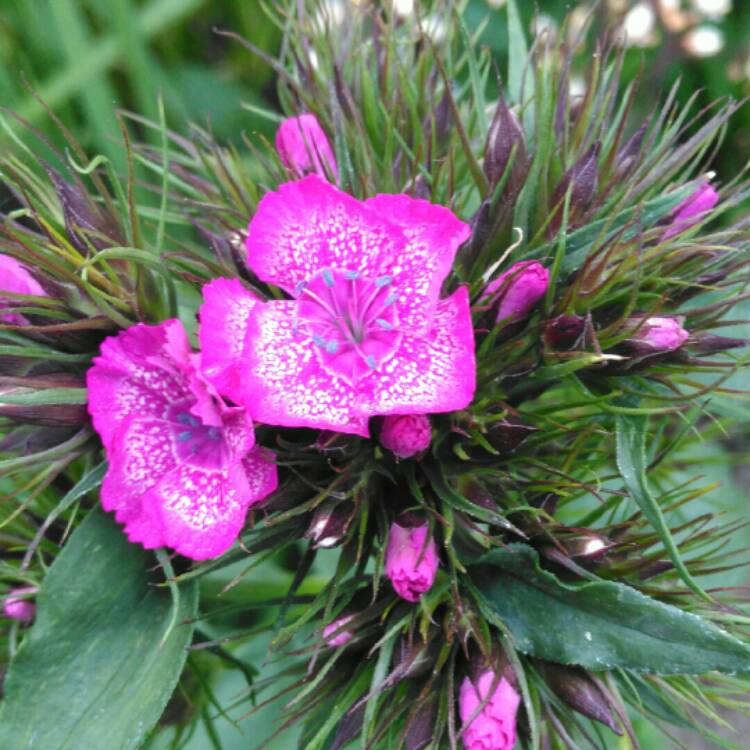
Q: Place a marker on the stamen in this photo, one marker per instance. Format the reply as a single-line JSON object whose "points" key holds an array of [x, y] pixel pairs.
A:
{"points": [[352, 275], [384, 324], [328, 278], [390, 299], [184, 436], [370, 360], [299, 288], [318, 339], [383, 281], [332, 346]]}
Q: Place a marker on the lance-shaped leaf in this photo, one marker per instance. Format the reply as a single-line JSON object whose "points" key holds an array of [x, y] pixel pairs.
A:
{"points": [[597, 625], [105, 652]]}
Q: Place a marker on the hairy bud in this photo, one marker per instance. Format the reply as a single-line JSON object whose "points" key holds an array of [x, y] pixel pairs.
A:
{"points": [[657, 334], [494, 727], [406, 435], [505, 140], [411, 561], [516, 292], [303, 147], [692, 210], [564, 332]]}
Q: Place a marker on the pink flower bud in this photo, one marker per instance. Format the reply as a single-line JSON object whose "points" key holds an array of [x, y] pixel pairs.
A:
{"points": [[14, 278], [304, 148], [410, 563], [342, 637], [18, 606], [405, 435], [692, 210], [494, 727], [661, 334], [517, 291]]}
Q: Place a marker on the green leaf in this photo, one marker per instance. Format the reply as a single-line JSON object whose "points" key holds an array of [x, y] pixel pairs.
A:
{"points": [[598, 625], [520, 77], [631, 431], [91, 672], [47, 396]]}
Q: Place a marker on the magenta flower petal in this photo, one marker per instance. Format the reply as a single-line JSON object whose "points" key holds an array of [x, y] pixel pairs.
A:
{"points": [[494, 727], [284, 381], [433, 374], [222, 333], [136, 373], [303, 146], [434, 235], [16, 279], [182, 467], [308, 226], [18, 604], [411, 561]]}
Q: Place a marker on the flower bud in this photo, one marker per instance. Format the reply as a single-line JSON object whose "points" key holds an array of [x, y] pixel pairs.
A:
{"points": [[505, 135], [16, 279], [564, 331], [303, 147], [692, 210], [405, 435], [494, 727], [658, 334], [17, 605], [518, 290], [87, 224], [582, 179], [411, 561], [329, 524], [333, 633], [581, 693], [708, 343]]}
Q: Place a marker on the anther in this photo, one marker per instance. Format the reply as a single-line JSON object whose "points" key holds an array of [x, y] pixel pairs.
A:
{"points": [[332, 346], [383, 281], [184, 436], [328, 278], [384, 324]]}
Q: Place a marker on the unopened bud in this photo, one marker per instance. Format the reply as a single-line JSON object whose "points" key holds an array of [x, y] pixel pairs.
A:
{"points": [[329, 525], [507, 435], [494, 727], [657, 334], [564, 332], [707, 343], [303, 147], [581, 693], [336, 634], [411, 560], [505, 140], [16, 279], [406, 435], [88, 224], [582, 179], [516, 292], [18, 605], [692, 210]]}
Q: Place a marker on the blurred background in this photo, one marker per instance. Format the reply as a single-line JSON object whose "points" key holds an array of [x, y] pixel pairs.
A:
{"points": [[87, 58]]}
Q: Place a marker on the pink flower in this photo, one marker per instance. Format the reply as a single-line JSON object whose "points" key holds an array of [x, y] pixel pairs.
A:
{"points": [[303, 147], [517, 291], [365, 332], [661, 334], [411, 561], [17, 605], [692, 210], [405, 435], [494, 728], [341, 638], [14, 278], [183, 466]]}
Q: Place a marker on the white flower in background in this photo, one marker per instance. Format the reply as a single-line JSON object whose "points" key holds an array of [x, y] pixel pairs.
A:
{"points": [[703, 41], [639, 25], [715, 9]]}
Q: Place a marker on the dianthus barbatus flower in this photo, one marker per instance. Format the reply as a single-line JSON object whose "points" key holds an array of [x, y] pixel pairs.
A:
{"points": [[494, 727], [303, 147], [365, 331], [183, 466], [16, 279]]}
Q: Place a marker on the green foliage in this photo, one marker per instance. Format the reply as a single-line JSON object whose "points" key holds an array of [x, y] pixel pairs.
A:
{"points": [[105, 652], [600, 624]]}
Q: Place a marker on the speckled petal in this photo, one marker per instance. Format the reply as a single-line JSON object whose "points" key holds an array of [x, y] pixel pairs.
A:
{"points": [[135, 374], [309, 225], [433, 235], [261, 473], [433, 374], [222, 332], [140, 456], [284, 381], [202, 512]]}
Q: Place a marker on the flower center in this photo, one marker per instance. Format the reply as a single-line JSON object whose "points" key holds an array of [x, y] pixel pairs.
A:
{"points": [[351, 320], [195, 443]]}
